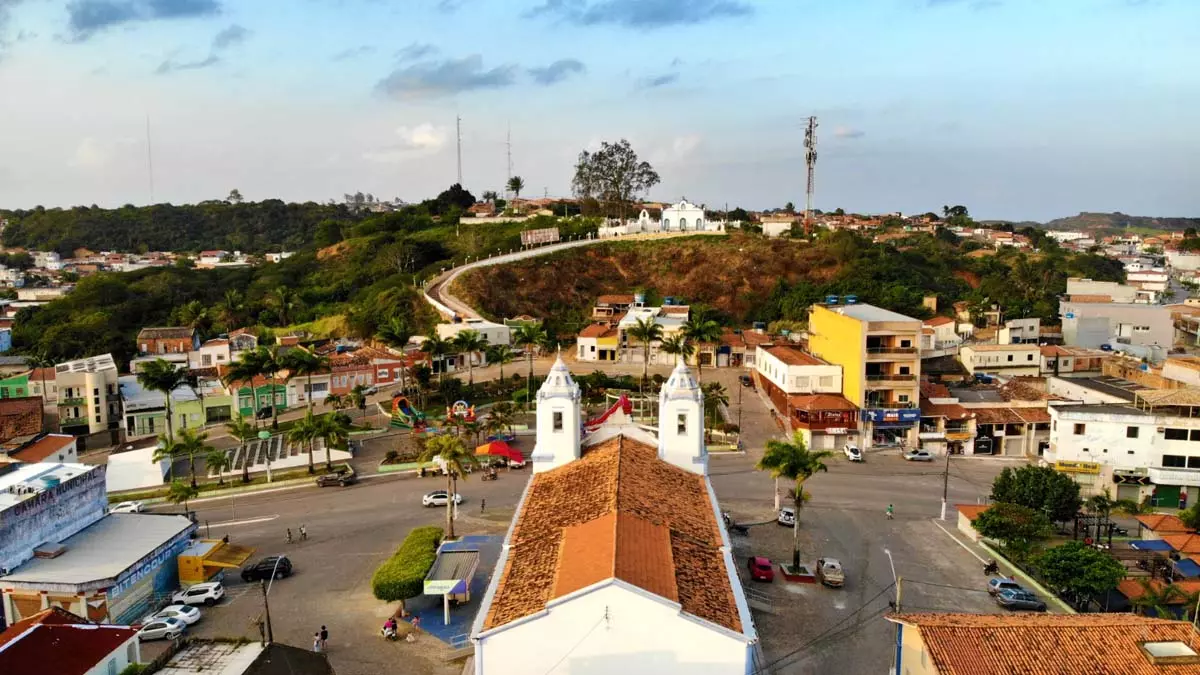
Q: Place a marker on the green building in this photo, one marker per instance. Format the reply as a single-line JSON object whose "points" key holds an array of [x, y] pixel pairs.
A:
{"points": [[16, 386]]}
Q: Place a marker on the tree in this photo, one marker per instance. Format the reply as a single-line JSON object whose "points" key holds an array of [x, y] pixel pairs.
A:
{"points": [[528, 336], [242, 372], [396, 334], [516, 184], [1040, 488], [613, 174], [437, 349], [219, 461], [163, 376], [470, 342], [448, 452], [794, 461], [646, 331], [269, 361], [334, 431], [181, 493], [168, 450], [678, 345], [1102, 506], [306, 364], [1189, 233], [453, 197], [500, 418], [305, 432], [499, 355], [1015, 526], [283, 299], [1079, 569], [357, 398], [701, 330], [1161, 598], [230, 308], [235, 197], [789, 207], [242, 430], [191, 443], [715, 396]]}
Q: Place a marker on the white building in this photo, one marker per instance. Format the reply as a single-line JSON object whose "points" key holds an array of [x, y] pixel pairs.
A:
{"points": [[795, 372], [1063, 236], [1019, 331], [213, 353], [1007, 360], [1183, 260], [671, 318], [494, 333], [617, 559], [1091, 324], [679, 217]]}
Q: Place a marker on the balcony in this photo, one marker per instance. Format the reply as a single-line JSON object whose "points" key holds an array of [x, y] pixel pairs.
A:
{"points": [[73, 422], [877, 354], [886, 349], [74, 400]]}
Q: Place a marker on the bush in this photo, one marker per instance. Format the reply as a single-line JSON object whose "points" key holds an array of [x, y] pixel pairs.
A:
{"points": [[403, 575], [391, 456]]}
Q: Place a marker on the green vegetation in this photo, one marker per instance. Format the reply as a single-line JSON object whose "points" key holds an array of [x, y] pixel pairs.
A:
{"points": [[403, 575], [1016, 527], [794, 461], [1042, 489], [1079, 570]]}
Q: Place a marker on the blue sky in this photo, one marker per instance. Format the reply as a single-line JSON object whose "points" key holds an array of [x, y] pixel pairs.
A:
{"points": [[1016, 108]]}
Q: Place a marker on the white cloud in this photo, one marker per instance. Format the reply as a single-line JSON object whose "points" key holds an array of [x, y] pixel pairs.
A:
{"points": [[92, 153], [848, 132], [685, 145], [419, 141]]}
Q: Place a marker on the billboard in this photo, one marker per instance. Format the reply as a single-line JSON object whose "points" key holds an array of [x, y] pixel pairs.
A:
{"points": [[548, 235]]}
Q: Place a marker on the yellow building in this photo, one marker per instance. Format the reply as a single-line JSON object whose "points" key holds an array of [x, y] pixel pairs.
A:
{"points": [[204, 559], [879, 352]]}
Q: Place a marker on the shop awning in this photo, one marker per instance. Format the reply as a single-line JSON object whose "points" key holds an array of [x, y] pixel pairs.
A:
{"points": [[499, 449], [229, 555], [1187, 567], [1150, 545], [452, 572]]}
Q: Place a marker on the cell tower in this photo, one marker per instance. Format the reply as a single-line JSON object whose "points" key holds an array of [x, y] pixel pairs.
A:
{"points": [[810, 158], [458, 133], [508, 149]]}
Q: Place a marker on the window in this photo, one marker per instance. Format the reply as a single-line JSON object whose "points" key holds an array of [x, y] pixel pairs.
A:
{"points": [[827, 381], [1030, 358], [1174, 461], [681, 424], [1010, 357], [1079, 429], [206, 359], [1194, 462], [1176, 434], [558, 421], [904, 370], [111, 667], [1131, 432], [903, 398], [1195, 435], [802, 382], [382, 373], [905, 344], [96, 391]]}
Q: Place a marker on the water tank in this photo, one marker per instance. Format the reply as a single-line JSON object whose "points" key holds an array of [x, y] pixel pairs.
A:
{"points": [[50, 482], [639, 298], [851, 299], [831, 299], [760, 325], [669, 300], [785, 332]]}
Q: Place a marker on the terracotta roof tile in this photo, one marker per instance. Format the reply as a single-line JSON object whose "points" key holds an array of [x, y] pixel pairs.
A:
{"points": [[794, 357], [1183, 543], [971, 511], [62, 648], [597, 330], [951, 411], [618, 511], [811, 402], [939, 321], [43, 448], [1047, 644], [935, 390], [1163, 523]]}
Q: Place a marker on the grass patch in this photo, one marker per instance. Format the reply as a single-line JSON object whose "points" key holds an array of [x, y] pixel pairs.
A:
{"points": [[402, 576], [231, 481]]}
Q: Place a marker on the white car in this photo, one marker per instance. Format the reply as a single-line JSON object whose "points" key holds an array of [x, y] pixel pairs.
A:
{"points": [[207, 594], [162, 629], [185, 613], [128, 507], [438, 498], [918, 456], [787, 516], [853, 453]]}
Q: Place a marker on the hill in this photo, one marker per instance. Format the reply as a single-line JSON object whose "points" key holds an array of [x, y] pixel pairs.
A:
{"points": [[1120, 221]]}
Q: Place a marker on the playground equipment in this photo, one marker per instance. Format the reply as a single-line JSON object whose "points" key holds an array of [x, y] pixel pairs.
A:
{"points": [[404, 415], [623, 404], [462, 410]]}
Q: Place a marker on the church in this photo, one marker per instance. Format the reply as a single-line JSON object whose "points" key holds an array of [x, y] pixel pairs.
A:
{"points": [[617, 560]]}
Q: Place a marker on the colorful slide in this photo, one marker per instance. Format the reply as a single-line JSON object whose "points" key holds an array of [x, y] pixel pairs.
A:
{"points": [[623, 404], [404, 416]]}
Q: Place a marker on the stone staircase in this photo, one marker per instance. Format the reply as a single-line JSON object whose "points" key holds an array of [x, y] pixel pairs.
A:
{"points": [[276, 450]]}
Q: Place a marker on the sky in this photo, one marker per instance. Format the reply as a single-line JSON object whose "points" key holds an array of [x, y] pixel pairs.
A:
{"points": [[1018, 109]]}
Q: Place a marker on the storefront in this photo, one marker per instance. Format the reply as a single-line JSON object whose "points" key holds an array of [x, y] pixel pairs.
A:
{"points": [[890, 426], [828, 422]]}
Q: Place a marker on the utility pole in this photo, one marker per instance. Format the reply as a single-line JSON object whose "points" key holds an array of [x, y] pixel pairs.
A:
{"points": [[508, 150], [945, 483], [458, 134], [810, 158], [267, 609]]}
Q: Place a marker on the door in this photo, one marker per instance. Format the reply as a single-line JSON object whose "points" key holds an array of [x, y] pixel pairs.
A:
{"points": [[1130, 492], [1166, 496]]}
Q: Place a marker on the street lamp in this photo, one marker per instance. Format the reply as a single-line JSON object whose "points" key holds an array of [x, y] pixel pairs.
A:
{"points": [[897, 581], [266, 588], [265, 435]]}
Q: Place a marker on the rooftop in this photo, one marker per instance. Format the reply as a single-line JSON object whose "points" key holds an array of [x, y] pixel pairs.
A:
{"points": [[864, 312], [233, 658], [951, 411], [60, 648], [1003, 348], [34, 474], [1167, 397], [939, 321], [92, 364], [811, 402], [617, 512], [1047, 644], [972, 511], [794, 357], [180, 332], [1101, 409], [1010, 415], [597, 330], [1163, 523], [1113, 386], [44, 447], [103, 550]]}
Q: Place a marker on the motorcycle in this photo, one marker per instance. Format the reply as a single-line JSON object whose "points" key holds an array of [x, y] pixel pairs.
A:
{"points": [[992, 567], [491, 475]]}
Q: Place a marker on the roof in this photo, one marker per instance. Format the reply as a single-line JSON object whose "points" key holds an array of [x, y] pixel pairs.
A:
{"points": [[20, 416], [615, 299], [951, 411], [43, 447], [1183, 543], [1189, 396], [972, 511], [934, 389], [35, 474], [617, 512], [794, 357], [54, 615], [1010, 415], [167, 333], [1163, 522], [864, 312], [597, 330], [939, 321], [812, 402], [92, 364], [62, 648], [1046, 644], [104, 550], [1091, 298], [1003, 348]]}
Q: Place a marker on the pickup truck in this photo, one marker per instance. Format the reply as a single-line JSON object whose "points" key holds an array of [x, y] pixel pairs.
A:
{"points": [[830, 572]]}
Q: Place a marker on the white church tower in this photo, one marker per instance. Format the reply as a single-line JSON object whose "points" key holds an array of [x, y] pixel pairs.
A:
{"points": [[559, 420], [681, 421]]}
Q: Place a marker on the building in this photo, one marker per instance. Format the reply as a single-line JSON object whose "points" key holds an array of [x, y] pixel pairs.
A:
{"points": [[1019, 331], [610, 308], [365, 367], [778, 224], [1091, 324], [1057, 360], [212, 257], [878, 351], [1112, 290], [238, 658], [211, 354], [1043, 644], [89, 398], [20, 417], [58, 642], [671, 318], [1010, 430], [55, 448], [180, 340], [616, 528], [145, 410], [682, 216], [597, 342], [946, 426], [808, 393], [1007, 359], [939, 337]]}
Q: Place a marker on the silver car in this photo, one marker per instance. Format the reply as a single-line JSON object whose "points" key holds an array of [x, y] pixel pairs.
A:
{"points": [[918, 456], [163, 628]]}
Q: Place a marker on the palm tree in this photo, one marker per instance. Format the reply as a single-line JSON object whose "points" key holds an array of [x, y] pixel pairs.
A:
{"points": [[499, 355], [283, 299], [646, 331], [438, 349], [305, 431], [162, 376], [396, 334], [470, 342], [701, 331], [1158, 598], [500, 418], [794, 461], [190, 443], [1102, 505], [528, 336], [516, 184], [242, 430], [448, 451], [715, 396], [243, 371], [357, 398], [678, 345], [41, 361], [229, 309], [269, 359], [473, 429], [335, 401], [181, 493], [219, 461], [167, 449], [334, 430], [306, 364]]}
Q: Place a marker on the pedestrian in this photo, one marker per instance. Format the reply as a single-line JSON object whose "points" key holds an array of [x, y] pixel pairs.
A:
{"points": [[324, 634], [289, 535], [317, 642], [482, 505], [416, 624], [303, 534], [891, 511]]}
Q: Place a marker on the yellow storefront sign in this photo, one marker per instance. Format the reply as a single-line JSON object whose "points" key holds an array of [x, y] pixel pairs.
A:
{"points": [[1077, 467]]}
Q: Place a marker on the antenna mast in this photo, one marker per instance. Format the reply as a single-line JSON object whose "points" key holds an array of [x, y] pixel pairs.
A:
{"points": [[810, 158], [508, 147], [149, 159], [458, 133]]}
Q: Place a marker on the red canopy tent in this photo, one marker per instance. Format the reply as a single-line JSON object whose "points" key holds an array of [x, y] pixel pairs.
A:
{"points": [[500, 449]]}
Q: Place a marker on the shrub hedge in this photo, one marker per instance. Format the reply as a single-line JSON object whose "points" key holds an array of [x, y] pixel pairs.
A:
{"points": [[402, 576]]}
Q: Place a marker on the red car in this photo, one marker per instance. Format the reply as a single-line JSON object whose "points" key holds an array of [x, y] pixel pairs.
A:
{"points": [[760, 569]]}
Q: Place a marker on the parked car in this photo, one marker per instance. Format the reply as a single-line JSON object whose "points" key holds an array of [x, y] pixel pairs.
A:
{"points": [[207, 594], [761, 569], [746, 380], [997, 584], [165, 628], [343, 478], [185, 613], [279, 564], [916, 455], [853, 453], [370, 390], [128, 507], [787, 516], [1020, 599], [830, 572], [439, 498]]}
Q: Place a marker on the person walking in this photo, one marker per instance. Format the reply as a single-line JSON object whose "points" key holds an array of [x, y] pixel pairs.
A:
{"points": [[324, 635], [289, 535], [891, 512], [317, 642], [303, 533], [482, 505]]}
